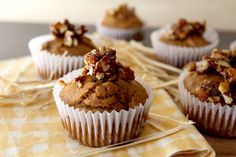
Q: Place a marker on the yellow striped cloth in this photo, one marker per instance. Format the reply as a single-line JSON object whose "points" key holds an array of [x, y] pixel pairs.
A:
{"points": [[37, 130]]}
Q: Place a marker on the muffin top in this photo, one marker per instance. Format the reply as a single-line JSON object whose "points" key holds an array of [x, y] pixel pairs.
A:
{"points": [[68, 39], [122, 17], [104, 85], [213, 79], [186, 33]]}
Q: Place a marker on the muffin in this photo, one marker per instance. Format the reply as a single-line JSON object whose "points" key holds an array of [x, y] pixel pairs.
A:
{"points": [[62, 51], [121, 23], [183, 41], [208, 93], [102, 103]]}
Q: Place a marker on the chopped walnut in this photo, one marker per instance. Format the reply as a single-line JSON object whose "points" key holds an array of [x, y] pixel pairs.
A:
{"points": [[223, 63], [183, 29], [202, 66], [224, 88], [206, 89], [102, 64], [230, 75], [202, 94], [122, 12], [71, 34]]}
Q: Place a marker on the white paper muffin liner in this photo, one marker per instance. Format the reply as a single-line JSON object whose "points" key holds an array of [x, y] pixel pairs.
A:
{"points": [[177, 55], [49, 64], [216, 119], [101, 128], [118, 33], [232, 45]]}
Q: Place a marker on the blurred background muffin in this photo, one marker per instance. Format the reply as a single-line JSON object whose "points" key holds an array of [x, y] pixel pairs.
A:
{"points": [[184, 41], [121, 23], [62, 51]]}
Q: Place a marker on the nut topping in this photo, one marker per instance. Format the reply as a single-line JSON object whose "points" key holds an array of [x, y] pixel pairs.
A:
{"points": [[182, 29], [224, 89], [217, 63], [122, 12], [202, 66], [100, 64], [71, 34]]}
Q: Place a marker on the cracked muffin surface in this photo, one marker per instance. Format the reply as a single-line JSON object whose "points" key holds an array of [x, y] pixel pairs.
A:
{"points": [[104, 96]]}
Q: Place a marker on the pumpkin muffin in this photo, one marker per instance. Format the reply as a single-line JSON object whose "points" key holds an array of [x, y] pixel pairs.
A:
{"points": [[62, 51], [121, 23], [184, 41], [208, 92], [107, 93]]}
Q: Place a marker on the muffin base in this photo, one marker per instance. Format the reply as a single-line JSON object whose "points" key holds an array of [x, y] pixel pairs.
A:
{"points": [[99, 129], [212, 118]]}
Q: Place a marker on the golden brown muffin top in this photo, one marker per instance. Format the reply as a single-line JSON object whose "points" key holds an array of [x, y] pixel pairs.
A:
{"points": [[68, 38], [122, 17], [213, 79], [186, 33], [104, 85]]}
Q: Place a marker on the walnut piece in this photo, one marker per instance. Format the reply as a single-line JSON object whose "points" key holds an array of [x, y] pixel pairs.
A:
{"points": [[202, 66], [102, 64], [182, 29], [224, 89], [230, 75], [71, 34]]}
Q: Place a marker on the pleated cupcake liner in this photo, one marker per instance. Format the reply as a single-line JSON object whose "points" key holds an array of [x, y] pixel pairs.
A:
{"points": [[101, 128], [119, 33], [179, 56], [52, 65], [215, 119]]}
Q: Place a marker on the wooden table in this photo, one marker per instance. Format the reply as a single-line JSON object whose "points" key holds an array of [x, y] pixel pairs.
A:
{"points": [[14, 39]]}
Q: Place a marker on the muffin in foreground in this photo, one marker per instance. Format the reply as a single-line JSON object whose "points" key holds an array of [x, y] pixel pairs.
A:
{"points": [[62, 51], [208, 93], [184, 41], [121, 23], [102, 103]]}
